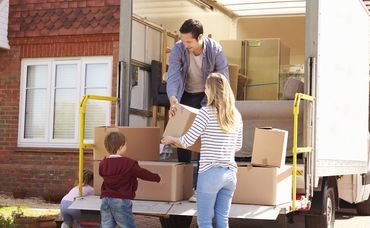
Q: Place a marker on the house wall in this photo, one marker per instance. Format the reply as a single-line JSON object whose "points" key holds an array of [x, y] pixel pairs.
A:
{"points": [[48, 28]]}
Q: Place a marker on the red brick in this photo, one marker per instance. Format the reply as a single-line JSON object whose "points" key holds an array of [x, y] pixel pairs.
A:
{"points": [[24, 163]]}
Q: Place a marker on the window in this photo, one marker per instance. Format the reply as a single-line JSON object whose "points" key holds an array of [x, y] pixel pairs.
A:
{"points": [[51, 91]]}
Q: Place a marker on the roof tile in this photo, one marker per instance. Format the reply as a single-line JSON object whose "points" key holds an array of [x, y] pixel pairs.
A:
{"points": [[63, 21]]}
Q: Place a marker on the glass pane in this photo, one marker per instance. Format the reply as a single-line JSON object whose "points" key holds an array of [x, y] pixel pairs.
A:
{"points": [[96, 113], [101, 92], [37, 76], [66, 76], [36, 115], [96, 75], [64, 114]]}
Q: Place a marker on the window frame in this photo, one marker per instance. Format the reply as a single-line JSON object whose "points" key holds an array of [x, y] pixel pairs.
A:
{"points": [[47, 140]]}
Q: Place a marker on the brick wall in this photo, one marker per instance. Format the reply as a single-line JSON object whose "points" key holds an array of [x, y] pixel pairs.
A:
{"points": [[85, 28]]}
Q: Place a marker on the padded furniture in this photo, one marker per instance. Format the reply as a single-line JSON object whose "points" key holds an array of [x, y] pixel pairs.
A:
{"points": [[158, 91], [291, 87]]}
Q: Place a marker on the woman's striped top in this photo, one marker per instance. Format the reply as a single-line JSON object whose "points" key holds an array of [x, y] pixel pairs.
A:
{"points": [[217, 147]]}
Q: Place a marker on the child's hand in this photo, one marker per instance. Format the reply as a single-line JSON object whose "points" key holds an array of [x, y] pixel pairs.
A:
{"points": [[160, 180]]}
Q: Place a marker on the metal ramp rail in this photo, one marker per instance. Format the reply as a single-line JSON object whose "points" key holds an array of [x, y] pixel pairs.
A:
{"points": [[304, 203], [81, 144]]}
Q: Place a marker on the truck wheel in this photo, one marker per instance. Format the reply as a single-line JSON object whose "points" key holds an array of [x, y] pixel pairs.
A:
{"points": [[363, 208], [327, 220], [177, 221]]}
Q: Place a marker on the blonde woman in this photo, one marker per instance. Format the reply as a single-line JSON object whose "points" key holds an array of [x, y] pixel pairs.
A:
{"points": [[219, 125]]}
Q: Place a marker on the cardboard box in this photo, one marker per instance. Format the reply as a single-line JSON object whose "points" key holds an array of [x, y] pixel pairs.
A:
{"points": [[233, 76], [269, 147], [98, 180], [176, 181], [179, 124], [142, 143], [263, 185]]}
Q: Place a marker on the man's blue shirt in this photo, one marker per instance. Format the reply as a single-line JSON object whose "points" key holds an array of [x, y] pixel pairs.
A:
{"points": [[214, 60]]}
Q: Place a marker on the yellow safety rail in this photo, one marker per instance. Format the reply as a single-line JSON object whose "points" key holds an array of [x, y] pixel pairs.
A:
{"points": [[82, 146], [297, 100]]}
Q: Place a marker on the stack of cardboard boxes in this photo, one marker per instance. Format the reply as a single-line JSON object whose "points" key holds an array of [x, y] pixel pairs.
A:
{"points": [[143, 145], [268, 181]]}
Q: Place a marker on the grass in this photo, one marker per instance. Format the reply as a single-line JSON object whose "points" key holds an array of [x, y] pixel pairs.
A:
{"points": [[8, 211]]}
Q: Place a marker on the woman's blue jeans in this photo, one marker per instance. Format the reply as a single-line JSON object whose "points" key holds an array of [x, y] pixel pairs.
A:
{"points": [[215, 190], [115, 211]]}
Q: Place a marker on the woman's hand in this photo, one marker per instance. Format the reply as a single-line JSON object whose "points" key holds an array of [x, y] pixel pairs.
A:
{"points": [[171, 140], [167, 140]]}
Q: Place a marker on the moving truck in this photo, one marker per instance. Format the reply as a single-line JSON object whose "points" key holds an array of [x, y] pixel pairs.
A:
{"points": [[329, 42]]}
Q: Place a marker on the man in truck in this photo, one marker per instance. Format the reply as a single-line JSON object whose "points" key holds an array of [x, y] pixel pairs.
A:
{"points": [[192, 59]]}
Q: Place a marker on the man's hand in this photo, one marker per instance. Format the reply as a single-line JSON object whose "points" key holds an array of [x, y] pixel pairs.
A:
{"points": [[173, 102]]}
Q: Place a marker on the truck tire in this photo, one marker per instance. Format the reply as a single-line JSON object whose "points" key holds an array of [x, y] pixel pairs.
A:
{"points": [[328, 218], [363, 208], [176, 221]]}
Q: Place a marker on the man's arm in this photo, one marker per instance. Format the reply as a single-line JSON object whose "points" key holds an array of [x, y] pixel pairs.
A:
{"points": [[174, 72], [221, 63], [174, 78]]}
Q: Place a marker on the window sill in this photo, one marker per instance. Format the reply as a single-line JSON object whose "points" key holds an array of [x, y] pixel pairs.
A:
{"points": [[50, 150]]}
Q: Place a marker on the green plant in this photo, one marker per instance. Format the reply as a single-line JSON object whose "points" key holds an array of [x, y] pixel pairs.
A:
{"points": [[6, 222], [21, 216], [17, 214]]}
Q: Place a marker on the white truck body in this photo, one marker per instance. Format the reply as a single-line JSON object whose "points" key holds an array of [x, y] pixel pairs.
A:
{"points": [[340, 85], [336, 59]]}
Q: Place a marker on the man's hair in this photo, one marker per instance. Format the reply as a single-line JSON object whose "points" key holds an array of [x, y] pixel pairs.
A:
{"points": [[113, 141], [192, 26]]}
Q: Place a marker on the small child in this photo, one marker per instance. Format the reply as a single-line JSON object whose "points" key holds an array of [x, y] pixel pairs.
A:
{"points": [[119, 183], [70, 215]]}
